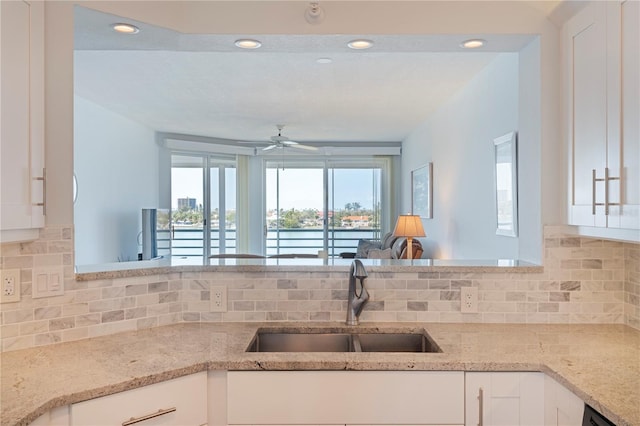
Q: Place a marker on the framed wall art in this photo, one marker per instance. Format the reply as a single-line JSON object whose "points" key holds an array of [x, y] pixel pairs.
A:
{"points": [[422, 191]]}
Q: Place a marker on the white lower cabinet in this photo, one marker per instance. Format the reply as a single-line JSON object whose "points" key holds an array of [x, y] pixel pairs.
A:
{"points": [[58, 416], [508, 399], [561, 406], [345, 397], [314, 398], [181, 401]]}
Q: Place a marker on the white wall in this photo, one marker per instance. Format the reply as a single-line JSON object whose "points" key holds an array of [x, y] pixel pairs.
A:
{"points": [[118, 160], [458, 139], [530, 149], [384, 17]]}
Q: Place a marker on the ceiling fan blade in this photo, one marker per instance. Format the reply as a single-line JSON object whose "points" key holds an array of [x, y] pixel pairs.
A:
{"points": [[270, 147], [307, 147]]}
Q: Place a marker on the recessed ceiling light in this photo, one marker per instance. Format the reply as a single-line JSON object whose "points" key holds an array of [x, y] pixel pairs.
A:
{"points": [[473, 43], [360, 44], [125, 28], [324, 60], [247, 43]]}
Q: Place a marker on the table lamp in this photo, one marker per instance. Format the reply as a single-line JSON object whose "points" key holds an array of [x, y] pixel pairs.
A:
{"points": [[409, 226]]}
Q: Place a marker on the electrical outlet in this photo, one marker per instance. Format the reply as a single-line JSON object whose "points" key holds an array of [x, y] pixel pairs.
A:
{"points": [[218, 299], [10, 281], [469, 299]]}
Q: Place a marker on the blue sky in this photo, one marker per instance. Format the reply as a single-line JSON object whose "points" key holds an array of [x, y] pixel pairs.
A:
{"points": [[300, 188]]}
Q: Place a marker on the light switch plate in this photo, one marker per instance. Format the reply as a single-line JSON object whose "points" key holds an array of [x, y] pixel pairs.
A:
{"points": [[47, 282]]}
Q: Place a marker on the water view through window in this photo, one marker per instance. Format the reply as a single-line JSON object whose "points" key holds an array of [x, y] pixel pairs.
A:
{"points": [[309, 207], [319, 207]]}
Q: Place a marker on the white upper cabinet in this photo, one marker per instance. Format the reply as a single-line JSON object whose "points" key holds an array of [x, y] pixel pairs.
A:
{"points": [[601, 47], [630, 136], [21, 120]]}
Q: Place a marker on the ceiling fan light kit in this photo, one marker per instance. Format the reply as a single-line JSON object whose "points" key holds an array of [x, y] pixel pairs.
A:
{"points": [[280, 141]]}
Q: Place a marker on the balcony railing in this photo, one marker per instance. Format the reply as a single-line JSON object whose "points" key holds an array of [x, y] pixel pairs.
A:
{"points": [[189, 242]]}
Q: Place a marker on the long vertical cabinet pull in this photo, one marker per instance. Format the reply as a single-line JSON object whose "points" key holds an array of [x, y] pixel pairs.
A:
{"points": [[43, 204], [480, 407], [606, 180]]}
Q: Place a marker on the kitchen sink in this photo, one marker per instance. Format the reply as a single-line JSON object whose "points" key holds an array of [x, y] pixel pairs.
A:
{"points": [[397, 342], [328, 341], [301, 342]]}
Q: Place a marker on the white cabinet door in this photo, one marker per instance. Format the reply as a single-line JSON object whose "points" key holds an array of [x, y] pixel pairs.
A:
{"points": [[630, 46], [345, 397], [586, 74], [507, 399], [601, 46], [561, 406], [179, 402], [56, 417], [21, 119]]}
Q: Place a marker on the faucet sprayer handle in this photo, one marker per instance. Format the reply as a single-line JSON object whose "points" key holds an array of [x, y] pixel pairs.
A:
{"points": [[360, 299]]}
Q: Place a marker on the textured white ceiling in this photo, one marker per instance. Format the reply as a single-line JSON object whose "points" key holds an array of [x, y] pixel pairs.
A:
{"points": [[202, 85]]}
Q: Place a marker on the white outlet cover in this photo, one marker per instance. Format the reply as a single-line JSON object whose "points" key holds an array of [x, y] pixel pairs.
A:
{"points": [[10, 282], [218, 299], [469, 299]]}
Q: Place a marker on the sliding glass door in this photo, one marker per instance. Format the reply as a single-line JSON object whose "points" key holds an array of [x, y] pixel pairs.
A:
{"points": [[203, 190], [354, 203], [295, 209], [321, 205]]}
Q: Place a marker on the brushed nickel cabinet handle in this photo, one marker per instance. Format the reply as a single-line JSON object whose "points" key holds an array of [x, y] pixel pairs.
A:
{"points": [[480, 407], [606, 191], [43, 178], [595, 179], [134, 420], [608, 178]]}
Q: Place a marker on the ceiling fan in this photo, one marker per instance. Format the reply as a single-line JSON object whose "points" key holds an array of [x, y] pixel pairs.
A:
{"points": [[281, 141]]}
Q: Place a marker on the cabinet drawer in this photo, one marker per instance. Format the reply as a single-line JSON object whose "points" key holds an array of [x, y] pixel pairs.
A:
{"points": [[188, 395], [345, 397]]}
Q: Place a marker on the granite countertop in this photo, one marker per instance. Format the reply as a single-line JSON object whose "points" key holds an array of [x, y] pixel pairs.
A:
{"points": [[599, 363], [199, 264]]}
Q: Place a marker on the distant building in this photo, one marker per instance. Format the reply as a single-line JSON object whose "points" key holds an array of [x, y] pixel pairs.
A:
{"points": [[355, 222], [188, 203]]}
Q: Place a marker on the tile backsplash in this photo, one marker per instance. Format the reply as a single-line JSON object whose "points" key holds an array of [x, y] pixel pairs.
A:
{"points": [[584, 281]]}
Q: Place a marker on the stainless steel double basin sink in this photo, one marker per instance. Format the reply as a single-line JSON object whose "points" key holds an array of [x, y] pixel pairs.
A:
{"points": [[341, 341]]}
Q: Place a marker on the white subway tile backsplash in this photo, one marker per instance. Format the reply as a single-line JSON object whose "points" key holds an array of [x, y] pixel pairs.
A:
{"points": [[584, 281]]}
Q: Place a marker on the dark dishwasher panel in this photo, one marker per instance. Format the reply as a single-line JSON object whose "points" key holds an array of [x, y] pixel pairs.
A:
{"points": [[593, 418]]}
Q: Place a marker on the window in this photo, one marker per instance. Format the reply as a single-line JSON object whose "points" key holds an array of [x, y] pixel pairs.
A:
{"points": [[203, 194], [322, 205]]}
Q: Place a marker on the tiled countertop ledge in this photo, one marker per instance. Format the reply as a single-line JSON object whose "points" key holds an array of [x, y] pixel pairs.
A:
{"points": [[172, 265], [599, 363]]}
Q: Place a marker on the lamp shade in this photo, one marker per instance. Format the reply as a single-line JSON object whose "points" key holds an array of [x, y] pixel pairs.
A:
{"points": [[409, 226]]}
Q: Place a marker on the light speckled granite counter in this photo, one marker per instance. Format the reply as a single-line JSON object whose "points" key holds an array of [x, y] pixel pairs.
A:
{"points": [[198, 264], [600, 363]]}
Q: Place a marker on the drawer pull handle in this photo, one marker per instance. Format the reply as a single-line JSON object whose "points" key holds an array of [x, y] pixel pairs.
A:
{"points": [[480, 407], [134, 420]]}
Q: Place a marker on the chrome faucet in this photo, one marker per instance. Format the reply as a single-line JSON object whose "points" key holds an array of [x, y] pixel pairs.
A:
{"points": [[356, 300]]}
